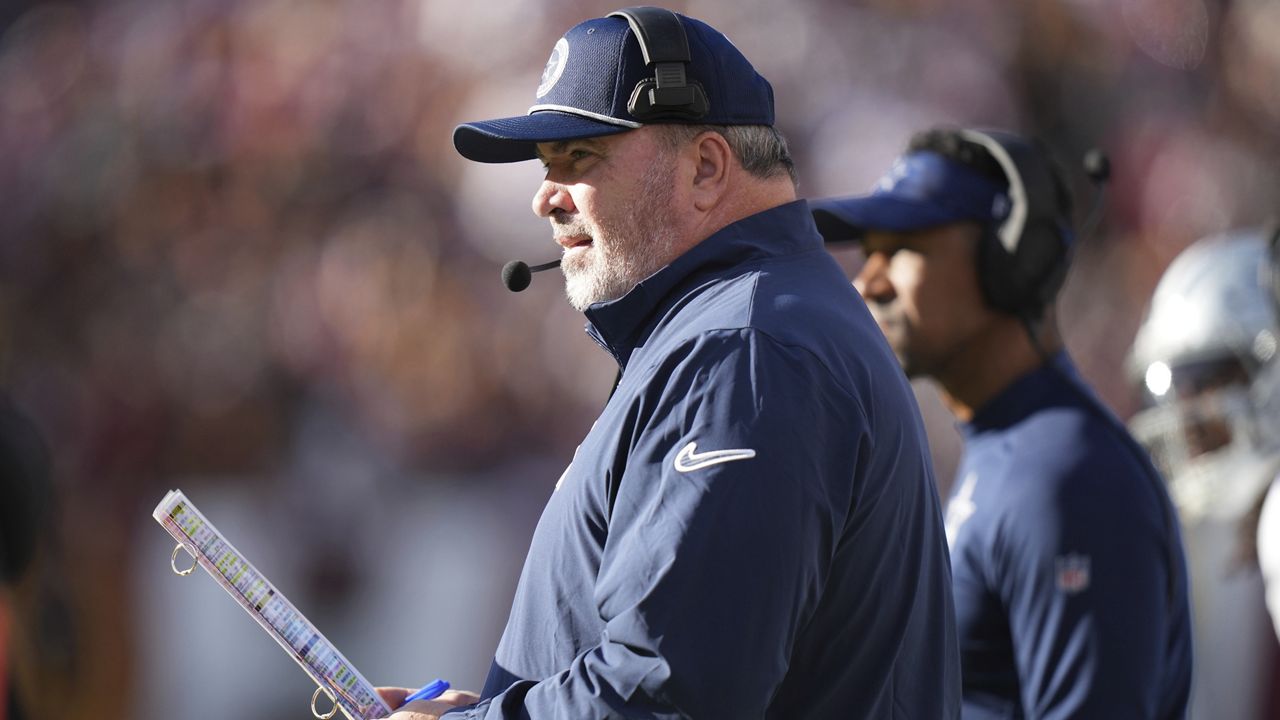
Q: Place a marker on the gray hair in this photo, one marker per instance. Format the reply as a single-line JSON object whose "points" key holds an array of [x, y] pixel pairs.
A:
{"points": [[760, 148]]}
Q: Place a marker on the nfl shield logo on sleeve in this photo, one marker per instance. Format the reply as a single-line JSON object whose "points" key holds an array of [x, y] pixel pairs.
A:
{"points": [[1073, 573]]}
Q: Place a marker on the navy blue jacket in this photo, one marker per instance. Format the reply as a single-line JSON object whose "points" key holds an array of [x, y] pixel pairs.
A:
{"points": [[751, 527], [1070, 582]]}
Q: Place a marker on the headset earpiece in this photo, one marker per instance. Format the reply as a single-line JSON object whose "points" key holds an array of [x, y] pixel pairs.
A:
{"points": [[669, 94], [1023, 259]]}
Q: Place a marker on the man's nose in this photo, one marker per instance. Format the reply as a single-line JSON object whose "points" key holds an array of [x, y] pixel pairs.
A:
{"points": [[550, 197], [872, 281]]}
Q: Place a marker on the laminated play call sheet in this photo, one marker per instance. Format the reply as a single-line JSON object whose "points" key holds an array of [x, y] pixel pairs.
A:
{"points": [[336, 677]]}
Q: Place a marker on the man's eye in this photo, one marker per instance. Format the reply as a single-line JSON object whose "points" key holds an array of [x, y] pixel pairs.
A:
{"points": [[577, 155]]}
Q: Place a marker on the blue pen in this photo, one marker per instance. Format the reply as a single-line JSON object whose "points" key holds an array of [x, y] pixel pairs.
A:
{"points": [[432, 689]]}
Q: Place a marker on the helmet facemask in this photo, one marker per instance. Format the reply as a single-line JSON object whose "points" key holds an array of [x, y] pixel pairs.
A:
{"points": [[1210, 427]]}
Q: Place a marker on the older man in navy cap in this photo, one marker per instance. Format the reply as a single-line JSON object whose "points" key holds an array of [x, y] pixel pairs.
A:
{"points": [[750, 529], [1070, 581]]}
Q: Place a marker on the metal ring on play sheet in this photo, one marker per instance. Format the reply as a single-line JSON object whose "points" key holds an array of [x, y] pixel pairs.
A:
{"points": [[173, 561], [332, 711]]}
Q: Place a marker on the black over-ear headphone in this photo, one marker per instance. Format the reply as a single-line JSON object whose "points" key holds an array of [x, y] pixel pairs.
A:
{"points": [[1023, 261], [669, 94]]}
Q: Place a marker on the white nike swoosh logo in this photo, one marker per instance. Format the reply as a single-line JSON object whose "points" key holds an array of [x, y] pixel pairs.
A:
{"points": [[687, 460]]}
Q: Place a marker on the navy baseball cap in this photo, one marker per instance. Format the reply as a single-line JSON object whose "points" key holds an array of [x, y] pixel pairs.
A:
{"points": [[922, 190], [589, 81]]}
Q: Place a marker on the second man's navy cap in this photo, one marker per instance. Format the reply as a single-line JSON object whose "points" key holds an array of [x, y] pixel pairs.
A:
{"points": [[590, 78], [923, 189]]}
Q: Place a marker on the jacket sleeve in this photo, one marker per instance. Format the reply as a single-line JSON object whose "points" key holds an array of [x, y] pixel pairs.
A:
{"points": [[737, 483], [1084, 578]]}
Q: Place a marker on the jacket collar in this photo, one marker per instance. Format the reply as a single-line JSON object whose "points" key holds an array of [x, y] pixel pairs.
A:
{"points": [[1047, 385], [620, 325]]}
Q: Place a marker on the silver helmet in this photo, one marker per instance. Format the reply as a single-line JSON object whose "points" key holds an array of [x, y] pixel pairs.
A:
{"points": [[1205, 357]]}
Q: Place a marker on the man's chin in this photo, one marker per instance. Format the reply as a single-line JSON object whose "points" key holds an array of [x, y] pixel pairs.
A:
{"points": [[580, 298], [910, 366], [585, 291]]}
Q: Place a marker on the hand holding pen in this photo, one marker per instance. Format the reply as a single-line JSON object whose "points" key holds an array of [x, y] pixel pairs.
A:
{"points": [[430, 691], [430, 701]]}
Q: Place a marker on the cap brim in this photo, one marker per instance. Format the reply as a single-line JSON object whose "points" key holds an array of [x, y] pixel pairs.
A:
{"points": [[840, 219], [513, 139]]}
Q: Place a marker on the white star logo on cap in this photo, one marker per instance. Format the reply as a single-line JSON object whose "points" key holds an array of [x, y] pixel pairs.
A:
{"points": [[1000, 206], [555, 67], [893, 177]]}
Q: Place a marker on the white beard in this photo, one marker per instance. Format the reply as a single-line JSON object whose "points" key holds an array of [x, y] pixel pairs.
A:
{"points": [[623, 252]]}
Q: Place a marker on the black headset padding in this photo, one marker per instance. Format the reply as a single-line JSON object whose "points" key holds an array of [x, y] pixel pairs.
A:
{"points": [[1025, 280], [669, 94]]}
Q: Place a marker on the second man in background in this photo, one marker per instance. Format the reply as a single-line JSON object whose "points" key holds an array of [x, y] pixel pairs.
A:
{"points": [[1070, 582]]}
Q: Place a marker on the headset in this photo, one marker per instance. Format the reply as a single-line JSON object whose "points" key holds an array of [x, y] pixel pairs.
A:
{"points": [[669, 94], [1023, 261]]}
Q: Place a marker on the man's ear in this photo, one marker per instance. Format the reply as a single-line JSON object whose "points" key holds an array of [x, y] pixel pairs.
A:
{"points": [[714, 161]]}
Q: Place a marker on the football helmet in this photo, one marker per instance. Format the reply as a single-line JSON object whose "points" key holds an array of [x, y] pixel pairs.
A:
{"points": [[1205, 357]]}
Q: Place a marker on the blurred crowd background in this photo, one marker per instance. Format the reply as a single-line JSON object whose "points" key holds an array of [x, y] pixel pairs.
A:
{"points": [[239, 256]]}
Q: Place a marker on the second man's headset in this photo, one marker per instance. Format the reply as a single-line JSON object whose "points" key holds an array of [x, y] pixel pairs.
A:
{"points": [[669, 94], [1023, 260]]}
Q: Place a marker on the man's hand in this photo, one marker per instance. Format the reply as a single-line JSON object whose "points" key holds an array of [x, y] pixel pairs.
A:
{"points": [[424, 709]]}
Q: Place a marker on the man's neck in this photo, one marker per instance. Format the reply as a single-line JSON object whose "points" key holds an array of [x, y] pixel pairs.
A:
{"points": [[751, 195], [990, 363]]}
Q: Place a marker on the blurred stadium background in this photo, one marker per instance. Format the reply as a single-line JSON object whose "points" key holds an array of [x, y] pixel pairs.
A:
{"points": [[239, 256]]}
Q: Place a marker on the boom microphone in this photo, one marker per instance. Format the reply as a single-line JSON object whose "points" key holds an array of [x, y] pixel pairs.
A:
{"points": [[517, 274], [1098, 168]]}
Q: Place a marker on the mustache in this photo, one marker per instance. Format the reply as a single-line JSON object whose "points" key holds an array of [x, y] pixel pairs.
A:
{"points": [[570, 228]]}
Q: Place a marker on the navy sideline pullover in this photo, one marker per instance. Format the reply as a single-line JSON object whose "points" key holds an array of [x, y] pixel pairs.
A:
{"points": [[751, 527], [1070, 581]]}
